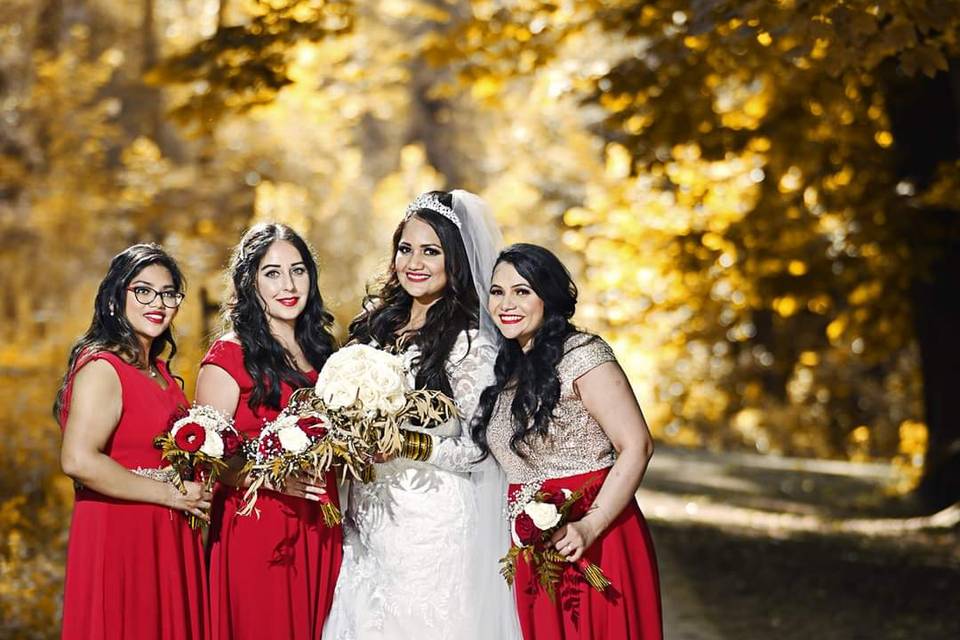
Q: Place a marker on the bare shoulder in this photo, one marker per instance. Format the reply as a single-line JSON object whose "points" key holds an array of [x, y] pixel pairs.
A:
{"points": [[98, 373]]}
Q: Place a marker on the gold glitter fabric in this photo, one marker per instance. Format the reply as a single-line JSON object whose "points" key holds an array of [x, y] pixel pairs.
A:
{"points": [[574, 443]]}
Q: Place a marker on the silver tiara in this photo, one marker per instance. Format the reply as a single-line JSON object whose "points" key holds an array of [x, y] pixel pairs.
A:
{"points": [[431, 201]]}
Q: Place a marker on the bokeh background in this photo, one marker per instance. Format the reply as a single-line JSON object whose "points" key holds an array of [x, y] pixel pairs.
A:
{"points": [[759, 199]]}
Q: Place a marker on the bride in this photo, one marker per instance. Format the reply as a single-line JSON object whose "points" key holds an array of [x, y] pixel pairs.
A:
{"points": [[422, 541]]}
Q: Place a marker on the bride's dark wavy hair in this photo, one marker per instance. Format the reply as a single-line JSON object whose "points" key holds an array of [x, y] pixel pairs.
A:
{"points": [[533, 372], [387, 305], [264, 358], [112, 331]]}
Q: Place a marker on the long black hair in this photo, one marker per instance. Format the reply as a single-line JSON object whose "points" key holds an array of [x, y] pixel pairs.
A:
{"points": [[387, 306], [532, 373], [265, 359], [110, 330]]}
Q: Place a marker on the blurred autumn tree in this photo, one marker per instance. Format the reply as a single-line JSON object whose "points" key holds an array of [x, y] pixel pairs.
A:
{"points": [[757, 198], [799, 299]]}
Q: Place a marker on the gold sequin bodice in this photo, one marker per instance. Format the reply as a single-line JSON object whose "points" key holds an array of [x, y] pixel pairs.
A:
{"points": [[574, 443]]}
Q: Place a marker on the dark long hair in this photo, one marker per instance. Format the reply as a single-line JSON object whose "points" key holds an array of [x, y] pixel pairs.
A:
{"points": [[110, 330], [387, 306], [533, 373], [265, 359]]}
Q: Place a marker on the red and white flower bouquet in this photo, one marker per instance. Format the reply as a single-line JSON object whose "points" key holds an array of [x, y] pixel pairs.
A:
{"points": [[535, 515], [293, 444], [197, 446]]}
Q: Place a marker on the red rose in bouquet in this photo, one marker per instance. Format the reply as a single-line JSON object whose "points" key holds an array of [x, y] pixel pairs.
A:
{"points": [[313, 426], [527, 532], [231, 443], [555, 497], [190, 437]]}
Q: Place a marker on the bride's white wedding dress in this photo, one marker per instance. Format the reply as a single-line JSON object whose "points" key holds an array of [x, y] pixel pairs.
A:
{"points": [[421, 542]]}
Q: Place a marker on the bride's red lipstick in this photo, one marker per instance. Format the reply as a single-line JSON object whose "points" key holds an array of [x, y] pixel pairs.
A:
{"points": [[289, 302]]}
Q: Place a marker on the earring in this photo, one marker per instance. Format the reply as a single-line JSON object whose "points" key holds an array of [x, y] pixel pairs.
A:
{"points": [[111, 311]]}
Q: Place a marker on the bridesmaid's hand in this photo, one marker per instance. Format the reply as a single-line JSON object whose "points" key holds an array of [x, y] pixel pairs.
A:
{"points": [[573, 539], [196, 501], [306, 487]]}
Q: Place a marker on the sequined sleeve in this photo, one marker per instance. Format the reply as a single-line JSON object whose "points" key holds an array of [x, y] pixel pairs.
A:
{"points": [[575, 442], [584, 352], [469, 375]]}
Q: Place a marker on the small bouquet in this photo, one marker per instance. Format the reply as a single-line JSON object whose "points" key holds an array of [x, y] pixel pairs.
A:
{"points": [[290, 445], [535, 515], [197, 446], [353, 413]]}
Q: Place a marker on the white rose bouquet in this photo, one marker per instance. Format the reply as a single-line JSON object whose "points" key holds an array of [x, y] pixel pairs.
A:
{"points": [[535, 514], [364, 392], [197, 445]]}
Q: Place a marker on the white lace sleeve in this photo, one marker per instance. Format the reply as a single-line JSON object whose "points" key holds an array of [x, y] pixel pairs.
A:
{"points": [[469, 376]]}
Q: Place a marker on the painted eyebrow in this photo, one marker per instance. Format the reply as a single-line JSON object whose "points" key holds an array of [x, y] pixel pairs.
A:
{"points": [[150, 284], [426, 244], [277, 266]]}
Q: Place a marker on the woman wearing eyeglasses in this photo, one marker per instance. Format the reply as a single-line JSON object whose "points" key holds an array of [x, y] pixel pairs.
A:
{"points": [[135, 569]]}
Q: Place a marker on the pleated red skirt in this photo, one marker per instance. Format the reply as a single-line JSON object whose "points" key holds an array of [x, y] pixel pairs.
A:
{"points": [[134, 570], [628, 610], [271, 576]]}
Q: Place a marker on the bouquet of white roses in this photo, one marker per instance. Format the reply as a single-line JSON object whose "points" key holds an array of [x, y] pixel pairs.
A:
{"points": [[361, 397], [197, 445]]}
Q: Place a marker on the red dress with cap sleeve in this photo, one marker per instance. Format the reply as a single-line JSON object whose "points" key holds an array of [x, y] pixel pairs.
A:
{"points": [[134, 569], [272, 575]]}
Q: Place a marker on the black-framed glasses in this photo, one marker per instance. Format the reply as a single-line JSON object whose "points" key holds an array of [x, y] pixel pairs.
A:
{"points": [[146, 295]]}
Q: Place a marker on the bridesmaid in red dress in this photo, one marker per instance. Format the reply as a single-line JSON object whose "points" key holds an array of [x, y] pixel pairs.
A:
{"points": [[272, 575], [561, 414], [134, 567]]}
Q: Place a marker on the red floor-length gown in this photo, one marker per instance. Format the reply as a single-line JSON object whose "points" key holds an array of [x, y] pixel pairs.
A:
{"points": [[576, 454], [134, 569], [271, 576]]}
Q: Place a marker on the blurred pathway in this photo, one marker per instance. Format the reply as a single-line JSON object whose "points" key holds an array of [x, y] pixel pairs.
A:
{"points": [[760, 548]]}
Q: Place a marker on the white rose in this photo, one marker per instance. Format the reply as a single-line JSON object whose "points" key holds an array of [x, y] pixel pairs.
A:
{"points": [[395, 402], [293, 439], [338, 394], [212, 444], [372, 398], [543, 514]]}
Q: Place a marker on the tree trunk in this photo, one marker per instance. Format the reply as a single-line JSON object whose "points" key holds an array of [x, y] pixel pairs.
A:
{"points": [[925, 118], [936, 310]]}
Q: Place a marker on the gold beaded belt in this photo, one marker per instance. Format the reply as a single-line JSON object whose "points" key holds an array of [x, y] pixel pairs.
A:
{"points": [[166, 474]]}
